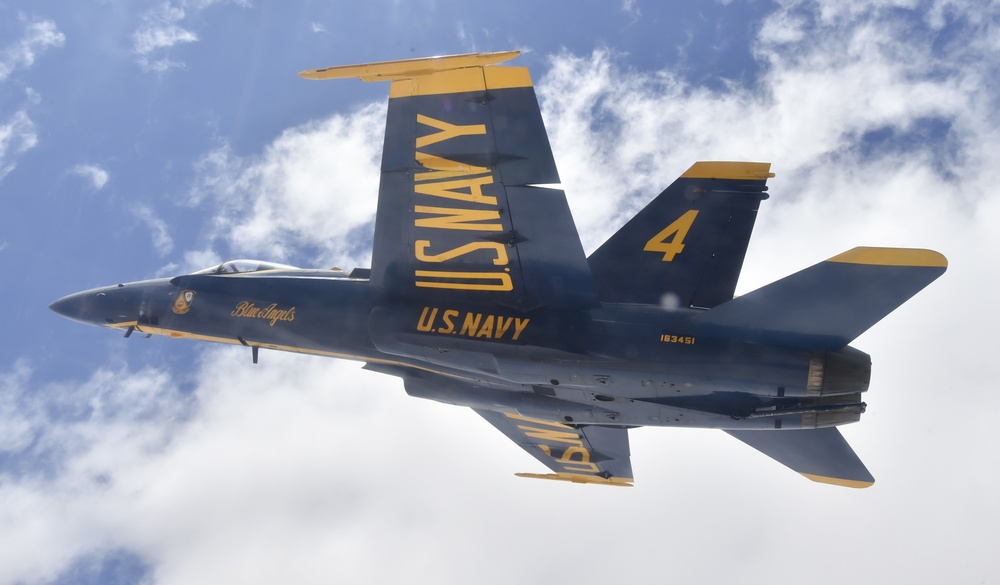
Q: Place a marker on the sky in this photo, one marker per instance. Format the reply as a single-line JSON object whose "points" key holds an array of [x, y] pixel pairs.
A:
{"points": [[142, 139]]}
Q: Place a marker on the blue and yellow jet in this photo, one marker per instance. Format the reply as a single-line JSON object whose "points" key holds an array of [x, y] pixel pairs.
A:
{"points": [[480, 294]]}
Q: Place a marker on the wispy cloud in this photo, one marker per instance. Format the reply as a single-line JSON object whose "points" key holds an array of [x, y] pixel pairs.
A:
{"points": [[158, 230], [631, 7], [162, 29], [97, 176], [39, 36], [17, 135]]}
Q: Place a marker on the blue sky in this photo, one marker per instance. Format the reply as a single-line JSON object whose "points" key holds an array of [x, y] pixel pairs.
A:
{"points": [[142, 139]]}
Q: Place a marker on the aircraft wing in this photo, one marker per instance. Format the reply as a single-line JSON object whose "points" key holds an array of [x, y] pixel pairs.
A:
{"points": [[585, 454], [822, 455], [461, 215]]}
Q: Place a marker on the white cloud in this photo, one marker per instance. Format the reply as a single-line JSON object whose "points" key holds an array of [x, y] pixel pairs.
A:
{"points": [[72, 444], [160, 31], [306, 195], [162, 28], [39, 36], [193, 260], [17, 136], [97, 176], [16, 431], [317, 27], [158, 230]]}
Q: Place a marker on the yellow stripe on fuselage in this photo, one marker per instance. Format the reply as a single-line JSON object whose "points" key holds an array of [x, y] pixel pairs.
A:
{"points": [[851, 483], [755, 171], [148, 329], [892, 257]]}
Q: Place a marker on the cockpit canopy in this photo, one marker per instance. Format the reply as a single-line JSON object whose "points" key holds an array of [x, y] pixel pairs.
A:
{"points": [[240, 266]]}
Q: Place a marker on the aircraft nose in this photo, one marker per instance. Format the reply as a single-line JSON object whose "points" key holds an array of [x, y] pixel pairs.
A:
{"points": [[98, 306], [77, 306], [70, 306], [118, 305]]}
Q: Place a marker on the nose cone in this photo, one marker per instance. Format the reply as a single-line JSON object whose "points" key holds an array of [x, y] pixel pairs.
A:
{"points": [[100, 306], [70, 306], [90, 307], [119, 305]]}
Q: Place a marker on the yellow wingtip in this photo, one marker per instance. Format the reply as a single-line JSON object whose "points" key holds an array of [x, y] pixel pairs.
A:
{"points": [[406, 68], [755, 171], [851, 483], [892, 257], [580, 478]]}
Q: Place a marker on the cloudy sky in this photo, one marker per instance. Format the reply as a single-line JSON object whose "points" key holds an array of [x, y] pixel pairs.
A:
{"points": [[150, 138]]}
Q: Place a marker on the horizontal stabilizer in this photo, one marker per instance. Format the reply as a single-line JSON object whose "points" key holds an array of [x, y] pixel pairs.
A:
{"points": [[821, 455], [829, 304]]}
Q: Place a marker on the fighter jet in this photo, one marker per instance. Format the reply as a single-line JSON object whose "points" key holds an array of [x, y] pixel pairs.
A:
{"points": [[480, 294]]}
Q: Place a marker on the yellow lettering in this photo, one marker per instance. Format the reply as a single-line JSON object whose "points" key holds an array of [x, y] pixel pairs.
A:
{"points": [[448, 325], [446, 131], [502, 280], [271, 313], [503, 324], [551, 435], [426, 321], [519, 325], [455, 219], [450, 190], [487, 328], [444, 168], [678, 230], [537, 421], [469, 326], [420, 248], [583, 464]]}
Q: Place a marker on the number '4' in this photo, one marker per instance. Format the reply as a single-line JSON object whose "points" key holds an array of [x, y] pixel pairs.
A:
{"points": [[676, 232]]}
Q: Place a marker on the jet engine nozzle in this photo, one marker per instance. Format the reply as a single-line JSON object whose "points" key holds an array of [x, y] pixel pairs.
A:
{"points": [[832, 373]]}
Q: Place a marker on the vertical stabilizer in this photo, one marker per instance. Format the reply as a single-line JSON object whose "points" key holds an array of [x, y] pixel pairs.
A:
{"points": [[686, 247]]}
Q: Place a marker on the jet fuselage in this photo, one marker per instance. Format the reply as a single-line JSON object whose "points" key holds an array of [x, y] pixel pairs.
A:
{"points": [[595, 366]]}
